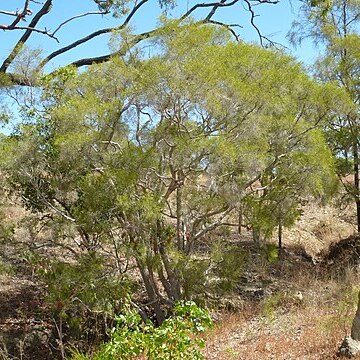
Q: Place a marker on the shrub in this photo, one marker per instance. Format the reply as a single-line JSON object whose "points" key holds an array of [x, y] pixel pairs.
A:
{"points": [[174, 339], [83, 296]]}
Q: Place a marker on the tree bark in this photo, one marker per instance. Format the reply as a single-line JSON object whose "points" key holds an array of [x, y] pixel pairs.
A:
{"points": [[357, 182], [355, 330], [151, 292], [256, 234], [280, 235], [240, 220], [179, 220]]}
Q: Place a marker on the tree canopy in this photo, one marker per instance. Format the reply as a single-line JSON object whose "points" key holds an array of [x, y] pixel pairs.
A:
{"points": [[31, 17], [152, 154], [335, 24]]}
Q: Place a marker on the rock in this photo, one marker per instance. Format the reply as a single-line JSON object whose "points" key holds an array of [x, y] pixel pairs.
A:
{"points": [[349, 347], [355, 330]]}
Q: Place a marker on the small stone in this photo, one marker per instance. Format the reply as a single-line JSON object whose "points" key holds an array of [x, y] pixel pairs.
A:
{"points": [[268, 347]]}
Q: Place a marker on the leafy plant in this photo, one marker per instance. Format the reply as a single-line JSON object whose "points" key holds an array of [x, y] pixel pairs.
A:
{"points": [[272, 253], [82, 295], [174, 339]]}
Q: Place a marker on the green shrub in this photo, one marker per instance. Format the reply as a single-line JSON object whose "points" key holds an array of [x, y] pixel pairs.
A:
{"points": [[6, 269], [174, 339], [271, 253], [228, 263], [83, 296]]}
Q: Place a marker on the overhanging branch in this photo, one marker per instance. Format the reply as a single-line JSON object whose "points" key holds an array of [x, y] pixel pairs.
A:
{"points": [[91, 36], [208, 18], [30, 29]]}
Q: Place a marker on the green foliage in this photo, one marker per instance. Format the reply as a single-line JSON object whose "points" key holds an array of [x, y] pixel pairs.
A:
{"points": [[183, 138], [281, 301], [85, 282], [6, 268], [7, 227], [344, 308], [228, 262], [272, 253], [82, 294], [336, 25], [192, 272], [272, 305], [174, 339]]}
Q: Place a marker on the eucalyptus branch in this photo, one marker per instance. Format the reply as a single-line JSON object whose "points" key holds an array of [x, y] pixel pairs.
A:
{"points": [[228, 27], [252, 20], [214, 5], [27, 28], [91, 36], [31, 28], [215, 224], [10, 13], [20, 16], [77, 17]]}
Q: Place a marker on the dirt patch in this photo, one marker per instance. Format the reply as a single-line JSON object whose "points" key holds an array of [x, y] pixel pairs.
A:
{"points": [[318, 227], [25, 331]]}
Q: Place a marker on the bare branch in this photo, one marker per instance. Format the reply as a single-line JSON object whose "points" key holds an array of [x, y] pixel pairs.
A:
{"points": [[213, 10], [20, 16], [228, 27], [40, 31], [214, 5], [77, 17], [87, 38], [253, 16], [10, 13], [43, 11]]}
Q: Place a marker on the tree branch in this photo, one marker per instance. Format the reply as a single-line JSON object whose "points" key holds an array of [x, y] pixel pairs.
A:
{"points": [[77, 17], [214, 5], [91, 36], [43, 11], [20, 16], [253, 16], [32, 27]]}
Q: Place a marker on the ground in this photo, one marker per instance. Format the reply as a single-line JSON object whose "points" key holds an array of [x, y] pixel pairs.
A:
{"points": [[299, 306]]}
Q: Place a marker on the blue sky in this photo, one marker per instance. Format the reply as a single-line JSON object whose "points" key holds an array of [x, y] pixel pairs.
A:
{"points": [[274, 21]]}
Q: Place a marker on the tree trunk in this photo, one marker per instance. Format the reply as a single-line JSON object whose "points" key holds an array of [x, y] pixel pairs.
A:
{"points": [[280, 235], [240, 220], [355, 330], [357, 183], [179, 220], [256, 234], [173, 291], [151, 292], [169, 279]]}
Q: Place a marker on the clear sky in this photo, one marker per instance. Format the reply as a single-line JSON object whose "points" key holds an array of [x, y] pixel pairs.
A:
{"points": [[274, 21]]}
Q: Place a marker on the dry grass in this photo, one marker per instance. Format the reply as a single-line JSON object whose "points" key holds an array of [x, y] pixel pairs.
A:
{"points": [[282, 325], [319, 226], [285, 326]]}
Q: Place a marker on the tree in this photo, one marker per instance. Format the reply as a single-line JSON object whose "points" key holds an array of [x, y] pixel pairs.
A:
{"points": [[28, 20], [335, 24], [142, 158]]}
